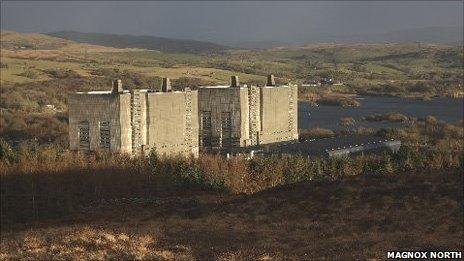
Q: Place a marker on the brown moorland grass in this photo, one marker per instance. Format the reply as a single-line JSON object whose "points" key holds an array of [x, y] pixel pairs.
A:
{"points": [[61, 205], [390, 116], [357, 217], [48, 184], [316, 132]]}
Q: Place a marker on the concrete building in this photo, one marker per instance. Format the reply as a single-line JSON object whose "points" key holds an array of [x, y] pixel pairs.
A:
{"points": [[240, 115], [180, 122], [135, 122]]}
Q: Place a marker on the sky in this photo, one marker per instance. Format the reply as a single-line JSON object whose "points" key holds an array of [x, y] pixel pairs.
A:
{"points": [[230, 22]]}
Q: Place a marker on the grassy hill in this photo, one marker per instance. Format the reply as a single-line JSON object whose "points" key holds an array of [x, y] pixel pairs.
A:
{"points": [[15, 40], [142, 42]]}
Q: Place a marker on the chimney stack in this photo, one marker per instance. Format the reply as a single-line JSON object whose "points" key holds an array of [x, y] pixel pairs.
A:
{"points": [[166, 86], [234, 81], [117, 86], [270, 80]]}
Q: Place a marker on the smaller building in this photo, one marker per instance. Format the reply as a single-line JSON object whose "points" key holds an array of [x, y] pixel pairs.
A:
{"points": [[100, 120], [240, 115]]}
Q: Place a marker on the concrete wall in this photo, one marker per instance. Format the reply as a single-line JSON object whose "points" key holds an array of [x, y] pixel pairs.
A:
{"points": [[219, 100], [97, 108], [125, 123], [172, 122], [260, 115], [138, 109], [278, 114], [254, 107]]}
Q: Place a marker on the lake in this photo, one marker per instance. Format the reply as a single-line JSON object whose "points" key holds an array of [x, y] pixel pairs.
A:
{"points": [[445, 109]]}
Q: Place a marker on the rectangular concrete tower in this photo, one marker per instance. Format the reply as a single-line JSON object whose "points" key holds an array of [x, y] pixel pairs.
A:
{"points": [[100, 120], [241, 115]]}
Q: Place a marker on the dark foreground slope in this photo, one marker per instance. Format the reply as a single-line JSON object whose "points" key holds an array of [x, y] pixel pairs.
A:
{"points": [[357, 217]]}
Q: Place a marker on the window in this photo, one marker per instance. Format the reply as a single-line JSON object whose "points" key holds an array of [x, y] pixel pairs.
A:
{"points": [[206, 130], [84, 135], [105, 138], [226, 127]]}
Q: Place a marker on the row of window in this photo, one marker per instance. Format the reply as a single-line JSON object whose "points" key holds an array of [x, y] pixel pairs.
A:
{"points": [[84, 135], [206, 128], [226, 120], [105, 132]]}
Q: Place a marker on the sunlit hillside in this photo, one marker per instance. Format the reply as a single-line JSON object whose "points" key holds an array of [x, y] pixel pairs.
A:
{"points": [[37, 72]]}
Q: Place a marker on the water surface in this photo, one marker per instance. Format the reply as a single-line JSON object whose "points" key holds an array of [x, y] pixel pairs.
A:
{"points": [[324, 116]]}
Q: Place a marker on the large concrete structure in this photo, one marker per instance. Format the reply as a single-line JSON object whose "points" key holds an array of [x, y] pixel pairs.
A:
{"points": [[135, 122], [179, 122], [241, 115]]}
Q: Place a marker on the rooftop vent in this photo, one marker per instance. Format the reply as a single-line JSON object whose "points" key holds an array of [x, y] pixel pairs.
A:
{"points": [[270, 80], [166, 86], [234, 81], [117, 86]]}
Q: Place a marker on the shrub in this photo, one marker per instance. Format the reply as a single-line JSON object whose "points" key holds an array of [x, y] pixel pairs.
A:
{"points": [[6, 152], [346, 121], [390, 116], [315, 133], [29, 73], [61, 73]]}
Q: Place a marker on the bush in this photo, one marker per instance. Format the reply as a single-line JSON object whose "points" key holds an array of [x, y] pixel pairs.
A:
{"points": [[49, 183], [421, 87], [61, 73], [347, 121], [315, 133], [391, 117], [29, 73], [6, 152]]}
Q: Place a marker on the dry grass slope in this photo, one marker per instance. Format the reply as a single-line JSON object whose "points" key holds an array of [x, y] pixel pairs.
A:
{"points": [[353, 218]]}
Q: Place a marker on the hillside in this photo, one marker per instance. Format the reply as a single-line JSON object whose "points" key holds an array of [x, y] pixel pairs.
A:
{"points": [[441, 35], [142, 42], [39, 70], [15, 40], [355, 218]]}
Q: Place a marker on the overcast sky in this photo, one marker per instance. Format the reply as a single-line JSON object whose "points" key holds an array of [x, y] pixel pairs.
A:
{"points": [[229, 22]]}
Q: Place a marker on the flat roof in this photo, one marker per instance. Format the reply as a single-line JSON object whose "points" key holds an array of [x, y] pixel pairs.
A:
{"points": [[216, 86], [95, 92], [127, 91], [199, 87], [321, 146], [242, 86]]}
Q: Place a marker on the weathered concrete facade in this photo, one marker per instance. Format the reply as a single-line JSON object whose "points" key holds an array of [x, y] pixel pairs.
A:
{"points": [[98, 121], [135, 122], [172, 120], [241, 115], [179, 122]]}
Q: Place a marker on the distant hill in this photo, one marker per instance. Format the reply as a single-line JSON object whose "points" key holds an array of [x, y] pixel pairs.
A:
{"points": [[143, 42], [16, 40], [443, 35], [260, 44], [439, 35]]}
